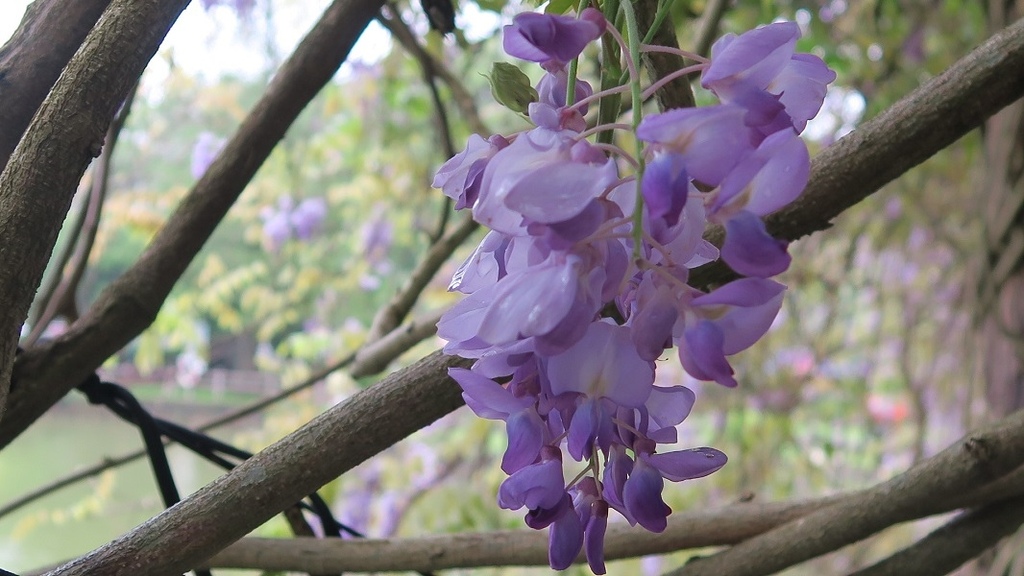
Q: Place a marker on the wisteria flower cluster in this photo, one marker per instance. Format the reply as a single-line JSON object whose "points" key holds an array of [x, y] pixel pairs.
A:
{"points": [[581, 283]]}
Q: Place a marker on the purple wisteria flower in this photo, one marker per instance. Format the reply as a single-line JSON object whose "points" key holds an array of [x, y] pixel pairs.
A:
{"points": [[551, 40], [571, 301]]}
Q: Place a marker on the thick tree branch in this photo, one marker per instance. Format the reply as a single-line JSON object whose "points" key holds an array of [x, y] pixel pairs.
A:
{"points": [[130, 303], [220, 513], [39, 181], [959, 541], [978, 459], [73, 263], [922, 123], [31, 61], [677, 93], [963, 538]]}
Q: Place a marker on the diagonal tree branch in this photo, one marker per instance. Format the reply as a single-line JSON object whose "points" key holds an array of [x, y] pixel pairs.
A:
{"points": [[220, 513], [976, 460], [368, 360], [925, 121], [130, 304], [686, 530], [39, 181], [963, 538], [33, 58]]}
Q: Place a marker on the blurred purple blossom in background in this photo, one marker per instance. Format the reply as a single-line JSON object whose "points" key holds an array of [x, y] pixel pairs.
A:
{"points": [[287, 221], [206, 148]]}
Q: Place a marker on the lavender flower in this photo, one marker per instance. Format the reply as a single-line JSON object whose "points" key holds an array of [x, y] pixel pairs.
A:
{"points": [[558, 258]]}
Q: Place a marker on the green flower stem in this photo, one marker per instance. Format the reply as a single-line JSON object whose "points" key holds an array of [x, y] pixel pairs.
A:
{"points": [[570, 89], [633, 41]]}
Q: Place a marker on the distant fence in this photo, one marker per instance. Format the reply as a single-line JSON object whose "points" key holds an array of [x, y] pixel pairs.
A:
{"points": [[218, 380]]}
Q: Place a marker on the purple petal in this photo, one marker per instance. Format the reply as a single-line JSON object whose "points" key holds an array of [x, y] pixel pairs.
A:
{"points": [[525, 432], [666, 186], [702, 356], [485, 397], [668, 406], [535, 486], [687, 464], [642, 496], [530, 302], [754, 304], [542, 38], [756, 56], [565, 540], [541, 518], [750, 250], [802, 84], [558, 192], [711, 139], [604, 363], [770, 178], [594, 533]]}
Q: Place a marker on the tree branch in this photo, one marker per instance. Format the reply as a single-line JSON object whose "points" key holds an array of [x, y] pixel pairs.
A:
{"points": [[463, 99], [976, 460], [187, 534], [39, 181], [922, 123], [34, 57], [689, 529], [963, 538], [74, 262], [972, 533], [392, 314], [130, 304], [370, 359]]}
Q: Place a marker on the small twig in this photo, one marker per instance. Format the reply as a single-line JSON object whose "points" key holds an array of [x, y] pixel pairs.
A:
{"points": [[463, 99], [708, 27], [444, 131], [398, 307]]}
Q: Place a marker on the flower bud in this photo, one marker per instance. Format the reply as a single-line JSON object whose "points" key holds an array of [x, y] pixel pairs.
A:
{"points": [[511, 87]]}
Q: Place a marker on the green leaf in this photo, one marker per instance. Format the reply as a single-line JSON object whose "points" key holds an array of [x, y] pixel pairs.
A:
{"points": [[559, 6]]}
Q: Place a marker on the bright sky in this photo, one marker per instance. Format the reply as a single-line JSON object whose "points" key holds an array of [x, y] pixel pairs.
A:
{"points": [[239, 48]]}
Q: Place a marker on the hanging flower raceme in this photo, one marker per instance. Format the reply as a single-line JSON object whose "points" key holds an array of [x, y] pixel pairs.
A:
{"points": [[565, 215]]}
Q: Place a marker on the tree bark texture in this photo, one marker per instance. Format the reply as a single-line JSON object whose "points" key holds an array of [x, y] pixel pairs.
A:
{"points": [[31, 61], [189, 533], [39, 181]]}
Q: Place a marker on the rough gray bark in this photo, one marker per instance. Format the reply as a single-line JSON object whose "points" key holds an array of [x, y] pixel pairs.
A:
{"points": [[39, 181], [33, 58]]}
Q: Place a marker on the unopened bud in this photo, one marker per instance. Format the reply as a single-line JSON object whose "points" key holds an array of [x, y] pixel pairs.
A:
{"points": [[511, 87]]}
